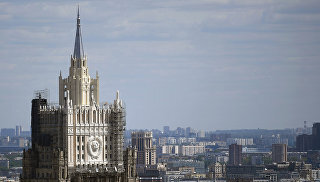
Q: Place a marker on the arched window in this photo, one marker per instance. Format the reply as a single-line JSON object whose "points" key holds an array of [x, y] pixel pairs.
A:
{"points": [[94, 116], [83, 117], [88, 118]]}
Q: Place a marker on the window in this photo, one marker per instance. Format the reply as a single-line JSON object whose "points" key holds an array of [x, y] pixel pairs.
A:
{"points": [[94, 116], [83, 117]]}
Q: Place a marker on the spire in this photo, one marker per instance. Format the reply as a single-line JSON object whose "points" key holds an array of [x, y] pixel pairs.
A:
{"points": [[78, 47]]}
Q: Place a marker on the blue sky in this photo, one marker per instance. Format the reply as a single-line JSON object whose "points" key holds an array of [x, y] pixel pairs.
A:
{"points": [[208, 64]]}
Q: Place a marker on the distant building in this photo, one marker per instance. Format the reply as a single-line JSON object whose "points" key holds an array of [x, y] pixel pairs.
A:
{"points": [[18, 130], [190, 150], [242, 173], [316, 174], [146, 152], [256, 160], [4, 163], [316, 135], [8, 132], [235, 154], [171, 140], [21, 142], [201, 134], [309, 142], [166, 130], [304, 143], [199, 166], [240, 141], [217, 170], [279, 153], [170, 149], [188, 131], [222, 159]]}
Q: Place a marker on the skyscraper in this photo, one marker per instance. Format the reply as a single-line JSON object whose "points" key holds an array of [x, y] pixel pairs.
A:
{"points": [[309, 142], [316, 136], [18, 130], [304, 142], [235, 154], [166, 130], [279, 153], [78, 136], [146, 152]]}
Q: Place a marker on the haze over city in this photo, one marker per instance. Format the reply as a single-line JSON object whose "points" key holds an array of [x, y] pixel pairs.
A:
{"points": [[204, 64]]}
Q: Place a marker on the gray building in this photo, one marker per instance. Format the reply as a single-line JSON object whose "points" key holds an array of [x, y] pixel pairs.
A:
{"points": [[235, 154], [8, 132]]}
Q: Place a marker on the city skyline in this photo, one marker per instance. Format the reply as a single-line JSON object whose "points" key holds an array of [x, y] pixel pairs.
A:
{"points": [[208, 65]]}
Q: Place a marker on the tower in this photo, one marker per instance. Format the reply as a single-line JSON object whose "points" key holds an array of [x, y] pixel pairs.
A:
{"points": [[279, 153], [146, 152], [316, 136], [235, 154], [83, 89], [78, 136]]}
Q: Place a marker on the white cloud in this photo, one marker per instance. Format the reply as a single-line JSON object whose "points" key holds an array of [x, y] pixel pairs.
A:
{"points": [[229, 52]]}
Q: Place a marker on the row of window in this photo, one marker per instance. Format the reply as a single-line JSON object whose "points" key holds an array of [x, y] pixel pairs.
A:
{"points": [[94, 165], [85, 117], [82, 156]]}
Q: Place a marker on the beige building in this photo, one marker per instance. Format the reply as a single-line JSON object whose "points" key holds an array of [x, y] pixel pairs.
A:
{"points": [[279, 153], [146, 152], [217, 170], [78, 139]]}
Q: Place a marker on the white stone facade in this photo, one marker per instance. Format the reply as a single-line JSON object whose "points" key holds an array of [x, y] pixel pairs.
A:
{"points": [[78, 135]]}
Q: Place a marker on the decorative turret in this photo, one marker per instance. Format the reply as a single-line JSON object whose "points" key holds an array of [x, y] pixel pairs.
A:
{"points": [[84, 90]]}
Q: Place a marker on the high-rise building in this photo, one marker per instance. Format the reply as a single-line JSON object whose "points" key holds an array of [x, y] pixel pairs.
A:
{"points": [[309, 142], [146, 152], [279, 153], [18, 130], [235, 154], [316, 136], [304, 142], [188, 131], [166, 130], [78, 136]]}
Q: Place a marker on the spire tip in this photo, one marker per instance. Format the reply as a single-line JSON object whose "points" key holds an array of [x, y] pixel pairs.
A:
{"points": [[78, 11]]}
